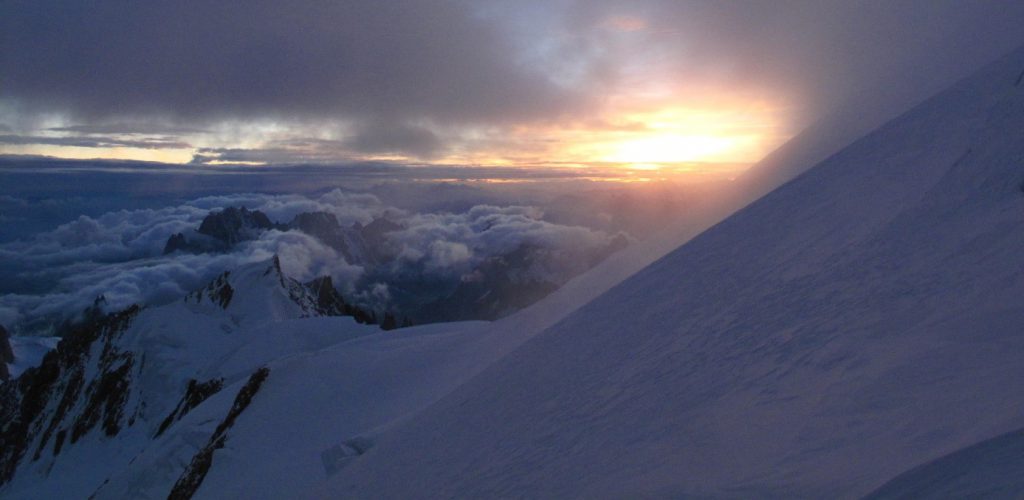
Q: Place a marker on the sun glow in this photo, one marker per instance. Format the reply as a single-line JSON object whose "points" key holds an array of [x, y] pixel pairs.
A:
{"points": [[720, 137], [670, 148]]}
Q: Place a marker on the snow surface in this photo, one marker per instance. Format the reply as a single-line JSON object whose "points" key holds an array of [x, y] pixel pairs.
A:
{"points": [[859, 321], [174, 343], [991, 469], [29, 352]]}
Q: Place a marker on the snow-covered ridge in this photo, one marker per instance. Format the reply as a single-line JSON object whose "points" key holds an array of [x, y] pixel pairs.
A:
{"points": [[120, 382]]}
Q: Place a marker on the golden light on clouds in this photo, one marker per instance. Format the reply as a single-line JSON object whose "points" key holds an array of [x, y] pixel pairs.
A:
{"points": [[723, 136], [649, 133], [669, 148], [176, 155]]}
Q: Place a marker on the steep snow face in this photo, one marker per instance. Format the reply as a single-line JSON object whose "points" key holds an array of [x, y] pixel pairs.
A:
{"points": [[860, 320]]}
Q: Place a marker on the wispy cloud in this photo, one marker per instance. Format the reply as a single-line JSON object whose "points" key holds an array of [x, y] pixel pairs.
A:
{"points": [[94, 141]]}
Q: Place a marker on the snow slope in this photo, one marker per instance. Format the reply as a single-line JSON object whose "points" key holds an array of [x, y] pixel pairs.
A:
{"points": [[860, 320], [28, 352], [993, 468], [99, 401]]}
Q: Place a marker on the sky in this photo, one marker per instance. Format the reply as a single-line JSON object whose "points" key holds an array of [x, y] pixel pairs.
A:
{"points": [[642, 85]]}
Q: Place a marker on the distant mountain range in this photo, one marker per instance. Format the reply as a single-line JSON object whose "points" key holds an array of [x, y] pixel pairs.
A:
{"points": [[497, 287]]}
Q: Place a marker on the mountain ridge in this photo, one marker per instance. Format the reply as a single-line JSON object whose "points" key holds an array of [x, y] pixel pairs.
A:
{"points": [[116, 373]]}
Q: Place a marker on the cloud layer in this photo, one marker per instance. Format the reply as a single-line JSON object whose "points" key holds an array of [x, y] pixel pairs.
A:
{"points": [[57, 273], [427, 78], [394, 60]]}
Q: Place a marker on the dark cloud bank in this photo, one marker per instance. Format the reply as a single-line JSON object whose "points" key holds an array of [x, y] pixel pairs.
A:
{"points": [[396, 75], [388, 67]]}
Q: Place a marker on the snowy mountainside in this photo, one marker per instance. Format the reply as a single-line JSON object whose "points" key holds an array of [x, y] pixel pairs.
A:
{"points": [[28, 352], [332, 386], [122, 382], [858, 321]]}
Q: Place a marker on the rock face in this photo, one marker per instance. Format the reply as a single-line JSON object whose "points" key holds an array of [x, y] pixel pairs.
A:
{"points": [[6, 353], [176, 243], [193, 476], [221, 230], [233, 225], [82, 386], [195, 393], [328, 302], [218, 291]]}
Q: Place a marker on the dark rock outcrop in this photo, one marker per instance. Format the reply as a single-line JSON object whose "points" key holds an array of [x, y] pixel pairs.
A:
{"points": [[195, 393], [328, 302], [221, 230], [177, 243], [233, 225], [192, 477], [218, 291], [6, 353]]}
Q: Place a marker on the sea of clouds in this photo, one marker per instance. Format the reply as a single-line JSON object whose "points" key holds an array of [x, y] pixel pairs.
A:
{"points": [[56, 273]]}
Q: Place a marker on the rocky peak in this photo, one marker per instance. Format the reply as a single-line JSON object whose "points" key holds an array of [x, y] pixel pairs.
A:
{"points": [[263, 289], [328, 301], [175, 243], [220, 230], [6, 353], [233, 225]]}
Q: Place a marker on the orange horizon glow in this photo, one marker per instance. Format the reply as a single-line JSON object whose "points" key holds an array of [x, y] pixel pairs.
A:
{"points": [[637, 134], [655, 136]]}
